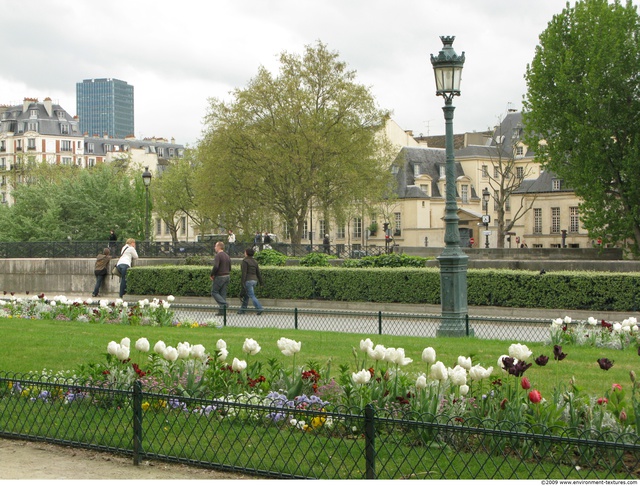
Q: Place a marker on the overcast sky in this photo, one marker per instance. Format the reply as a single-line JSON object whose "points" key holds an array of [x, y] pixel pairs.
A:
{"points": [[177, 54]]}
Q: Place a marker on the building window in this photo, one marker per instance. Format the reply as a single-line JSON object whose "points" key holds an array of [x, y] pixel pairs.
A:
{"points": [[425, 188], [537, 220], [90, 148], [495, 200], [357, 227], [66, 145], [32, 126], [341, 231], [171, 152], [485, 171], [3, 163], [183, 225], [4, 198], [555, 220], [64, 129], [556, 184], [66, 160], [305, 231], [3, 146], [398, 228], [31, 144], [60, 115], [464, 193], [91, 162], [507, 204], [574, 220], [496, 172], [167, 229], [158, 226], [160, 152], [520, 172], [323, 228], [19, 144], [519, 151], [79, 145], [33, 113], [443, 171], [416, 170]]}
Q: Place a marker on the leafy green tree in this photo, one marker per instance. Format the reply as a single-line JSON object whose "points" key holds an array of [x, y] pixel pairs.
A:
{"points": [[581, 112], [307, 134], [81, 204]]}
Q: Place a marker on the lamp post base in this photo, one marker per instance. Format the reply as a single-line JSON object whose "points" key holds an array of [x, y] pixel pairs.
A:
{"points": [[453, 294]]}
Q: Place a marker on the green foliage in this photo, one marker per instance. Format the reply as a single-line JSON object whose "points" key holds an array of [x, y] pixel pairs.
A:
{"points": [[315, 260], [389, 260], [82, 204], [270, 257], [311, 133], [503, 288], [582, 102]]}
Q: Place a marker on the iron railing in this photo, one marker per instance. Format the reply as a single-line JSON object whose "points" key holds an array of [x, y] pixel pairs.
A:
{"points": [[169, 249], [268, 438], [366, 322]]}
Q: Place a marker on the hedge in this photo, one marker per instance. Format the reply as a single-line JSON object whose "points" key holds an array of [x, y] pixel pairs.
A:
{"points": [[486, 287]]}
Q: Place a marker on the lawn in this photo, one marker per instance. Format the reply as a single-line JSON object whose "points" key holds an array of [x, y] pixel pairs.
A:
{"points": [[34, 345]]}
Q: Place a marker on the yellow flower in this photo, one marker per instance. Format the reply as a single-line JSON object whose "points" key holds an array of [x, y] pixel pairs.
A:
{"points": [[10, 385], [318, 421], [195, 324], [145, 406], [161, 404]]}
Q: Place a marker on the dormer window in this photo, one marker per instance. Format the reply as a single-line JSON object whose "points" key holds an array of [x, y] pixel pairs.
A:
{"points": [[64, 129], [416, 170], [556, 184], [443, 172], [60, 115], [33, 113]]}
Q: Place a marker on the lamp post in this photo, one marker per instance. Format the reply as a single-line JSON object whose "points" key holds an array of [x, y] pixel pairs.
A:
{"points": [[447, 67], [486, 219], [146, 179]]}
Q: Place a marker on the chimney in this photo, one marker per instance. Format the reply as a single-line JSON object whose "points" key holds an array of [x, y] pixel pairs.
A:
{"points": [[48, 106], [27, 102]]}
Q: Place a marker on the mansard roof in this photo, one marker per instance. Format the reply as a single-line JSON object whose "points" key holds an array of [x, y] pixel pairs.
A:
{"points": [[100, 146], [51, 119]]}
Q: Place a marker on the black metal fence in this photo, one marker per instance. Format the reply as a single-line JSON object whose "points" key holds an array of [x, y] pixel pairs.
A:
{"points": [[169, 249], [266, 437], [368, 322]]}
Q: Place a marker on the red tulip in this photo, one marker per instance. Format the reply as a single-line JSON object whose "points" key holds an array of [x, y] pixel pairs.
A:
{"points": [[534, 396], [525, 383], [616, 387], [602, 401]]}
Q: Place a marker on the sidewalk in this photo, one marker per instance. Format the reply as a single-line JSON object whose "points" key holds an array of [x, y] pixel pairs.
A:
{"points": [[480, 311]]}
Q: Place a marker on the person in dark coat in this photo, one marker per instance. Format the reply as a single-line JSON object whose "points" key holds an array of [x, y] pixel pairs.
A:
{"points": [[101, 270], [250, 278]]}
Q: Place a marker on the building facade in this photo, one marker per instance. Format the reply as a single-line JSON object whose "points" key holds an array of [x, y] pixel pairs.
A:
{"points": [[105, 107]]}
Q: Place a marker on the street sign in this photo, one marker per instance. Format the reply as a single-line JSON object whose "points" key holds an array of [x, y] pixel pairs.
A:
{"points": [[486, 233], [486, 218], [471, 241]]}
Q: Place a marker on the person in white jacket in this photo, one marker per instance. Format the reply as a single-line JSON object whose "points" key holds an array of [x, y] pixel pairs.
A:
{"points": [[127, 255]]}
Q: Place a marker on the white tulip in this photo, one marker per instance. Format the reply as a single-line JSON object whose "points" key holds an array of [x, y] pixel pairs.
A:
{"points": [[439, 371], [458, 376], [251, 347], [170, 353], [112, 348], [429, 355], [171, 298], [377, 353], [477, 372], [122, 353], [159, 347], [592, 321], [520, 352], [289, 347], [184, 350], [198, 352], [141, 304], [567, 320], [421, 382], [464, 390], [126, 342], [222, 354], [238, 365], [400, 358], [362, 377], [366, 345], [142, 344], [464, 362], [221, 344]]}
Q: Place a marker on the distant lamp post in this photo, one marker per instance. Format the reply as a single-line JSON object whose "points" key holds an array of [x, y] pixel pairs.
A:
{"points": [[447, 67], [146, 179], [486, 219]]}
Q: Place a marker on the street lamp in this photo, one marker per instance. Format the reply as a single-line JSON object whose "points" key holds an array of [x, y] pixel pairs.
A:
{"points": [[447, 67], [146, 179], [486, 219]]}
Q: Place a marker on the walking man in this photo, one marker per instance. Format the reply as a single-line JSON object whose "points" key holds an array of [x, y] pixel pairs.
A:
{"points": [[220, 275]]}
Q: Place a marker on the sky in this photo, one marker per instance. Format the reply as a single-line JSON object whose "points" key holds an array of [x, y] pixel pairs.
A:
{"points": [[178, 55]]}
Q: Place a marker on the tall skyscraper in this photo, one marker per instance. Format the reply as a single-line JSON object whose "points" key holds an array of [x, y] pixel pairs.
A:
{"points": [[105, 106]]}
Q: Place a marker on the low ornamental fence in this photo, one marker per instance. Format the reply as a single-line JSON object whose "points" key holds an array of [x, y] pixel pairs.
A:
{"points": [[296, 439], [170, 249], [367, 322]]}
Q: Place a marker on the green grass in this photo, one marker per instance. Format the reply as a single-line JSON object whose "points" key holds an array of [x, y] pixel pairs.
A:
{"points": [[34, 345]]}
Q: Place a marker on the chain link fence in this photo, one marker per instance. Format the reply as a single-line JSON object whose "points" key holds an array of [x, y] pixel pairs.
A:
{"points": [[368, 322], [275, 438]]}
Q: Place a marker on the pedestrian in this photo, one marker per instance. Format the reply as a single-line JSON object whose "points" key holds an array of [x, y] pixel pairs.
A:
{"points": [[257, 241], [101, 269], [326, 243], [232, 243], [220, 275], [127, 255], [250, 278], [113, 238], [266, 241]]}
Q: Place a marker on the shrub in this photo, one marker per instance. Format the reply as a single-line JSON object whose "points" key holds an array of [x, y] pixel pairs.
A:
{"points": [[391, 260], [271, 258], [315, 260]]}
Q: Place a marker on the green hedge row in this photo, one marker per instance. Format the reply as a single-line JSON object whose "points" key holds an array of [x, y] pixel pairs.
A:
{"points": [[502, 288]]}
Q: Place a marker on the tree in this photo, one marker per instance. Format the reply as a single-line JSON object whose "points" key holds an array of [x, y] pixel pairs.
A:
{"points": [[307, 134], [582, 109], [506, 175], [81, 204]]}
